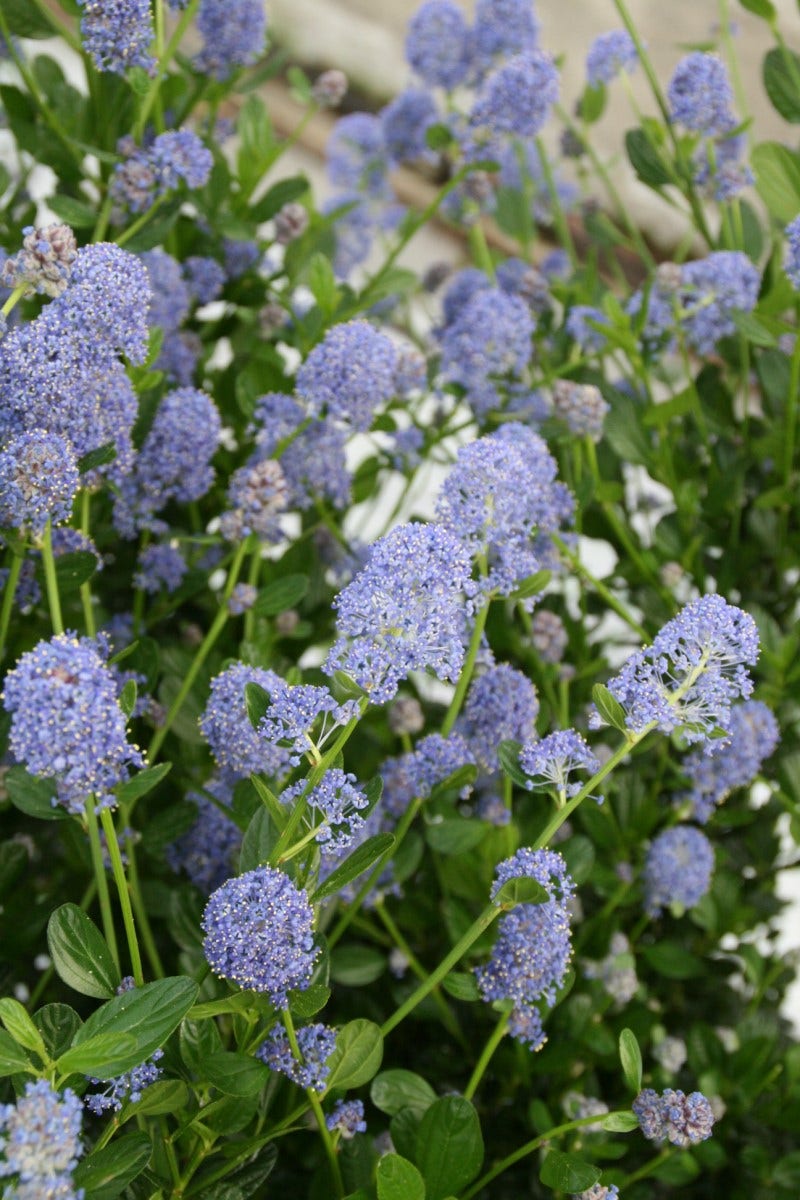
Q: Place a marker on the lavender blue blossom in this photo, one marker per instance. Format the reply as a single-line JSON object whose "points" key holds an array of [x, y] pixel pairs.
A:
{"points": [[531, 956], [171, 300], [160, 566], [339, 801], [356, 155], [700, 94], [407, 444], [711, 289], [66, 540], [225, 725], [40, 1139], [410, 371], [149, 172], [502, 705], [349, 374], [404, 611], [578, 327], [117, 34], [719, 170], [520, 278], [239, 257], [609, 54], [717, 770], [329, 88], [38, 482], [205, 278], [416, 773], [242, 598], [258, 495], [678, 869], [517, 96], [439, 44], [126, 1088], [521, 170], [315, 467], [490, 338], [548, 635], [259, 934], [671, 1054], [405, 122], [207, 852], [555, 758], [44, 264], [693, 672], [27, 593], [462, 287], [673, 1116], [502, 500], [617, 971], [503, 28], [179, 357], [581, 407], [791, 261], [347, 1118], [174, 462], [354, 230], [66, 722], [599, 1191], [233, 32], [303, 717], [316, 1043]]}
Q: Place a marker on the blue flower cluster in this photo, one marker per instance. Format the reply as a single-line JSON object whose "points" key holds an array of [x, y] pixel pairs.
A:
{"points": [[40, 1140], [487, 341], [44, 264], [700, 95], [349, 374], [316, 1043], [678, 869], [160, 566], [502, 500], [233, 32], [237, 747], [38, 482], [207, 852], [66, 722], [516, 98], [160, 166], [339, 801], [126, 1087], [416, 773], [581, 407], [502, 705], [439, 44], [674, 1117], [609, 54], [314, 463], [347, 1118], [533, 948], [257, 494], [693, 672], [717, 770], [259, 931], [791, 262], [555, 758], [117, 34], [302, 717], [404, 611]]}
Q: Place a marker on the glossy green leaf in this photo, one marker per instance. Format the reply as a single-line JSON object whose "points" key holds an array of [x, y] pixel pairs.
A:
{"points": [[104, 1174], [621, 1122], [80, 954], [33, 796], [567, 1173], [19, 1024], [281, 595], [449, 1146], [394, 1090], [781, 75], [398, 1179], [520, 890], [645, 159], [608, 707], [630, 1056], [257, 700], [354, 865], [13, 1058], [143, 782], [357, 1057], [258, 841], [235, 1074], [777, 171]]}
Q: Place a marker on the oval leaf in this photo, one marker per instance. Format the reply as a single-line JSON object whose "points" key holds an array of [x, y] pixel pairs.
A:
{"points": [[357, 1057], [235, 1074], [449, 1146], [631, 1058], [354, 865], [397, 1089], [79, 953], [12, 1057], [107, 1172], [284, 593], [398, 1179], [566, 1173]]}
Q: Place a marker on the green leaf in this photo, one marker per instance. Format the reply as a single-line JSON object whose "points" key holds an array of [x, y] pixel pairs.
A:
{"points": [[760, 8], [322, 282], [630, 1057], [621, 1122], [398, 1179], [283, 192], [97, 458], [149, 1014], [76, 213], [13, 861], [127, 697], [311, 1000], [105, 1173], [91, 1056], [163, 1096], [257, 700], [592, 103], [357, 1057], [673, 961], [25, 20], [456, 835], [781, 75], [12, 1057], [566, 1173], [609, 708], [645, 159], [258, 841], [354, 865], [753, 328], [281, 595], [79, 953], [449, 1146], [520, 890], [33, 796], [356, 966], [73, 569], [532, 585], [508, 754], [235, 1074], [21, 1027], [58, 1024], [461, 986], [394, 1090], [777, 172], [142, 783]]}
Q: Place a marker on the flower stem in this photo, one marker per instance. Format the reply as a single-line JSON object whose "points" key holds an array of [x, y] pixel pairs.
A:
{"points": [[468, 668], [601, 589], [313, 1099], [486, 1055], [16, 295], [51, 581], [103, 894], [15, 566], [163, 62], [124, 896], [86, 590]]}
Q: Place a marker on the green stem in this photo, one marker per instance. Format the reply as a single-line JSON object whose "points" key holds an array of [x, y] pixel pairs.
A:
{"points": [[15, 296], [448, 1019], [647, 1169], [559, 218], [86, 590], [14, 569], [601, 589], [140, 221], [313, 1099], [468, 668], [142, 921], [489, 914], [51, 580], [486, 1055], [480, 248], [161, 67], [529, 1148], [124, 896], [561, 815], [217, 625], [103, 894], [791, 413], [733, 62], [103, 219], [60, 27], [253, 576]]}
